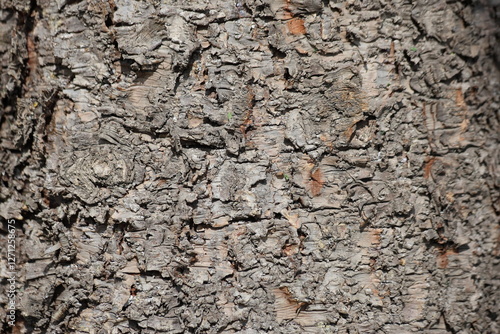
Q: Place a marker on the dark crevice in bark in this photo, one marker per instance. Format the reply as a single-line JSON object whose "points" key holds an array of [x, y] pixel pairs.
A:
{"points": [[467, 59], [212, 122], [420, 30], [29, 25], [152, 273], [48, 110], [185, 69], [492, 315], [143, 73], [414, 67], [276, 52], [71, 2], [210, 91], [448, 327], [109, 20], [134, 325], [126, 65], [191, 143], [26, 25], [124, 24], [69, 221], [57, 292], [29, 322]]}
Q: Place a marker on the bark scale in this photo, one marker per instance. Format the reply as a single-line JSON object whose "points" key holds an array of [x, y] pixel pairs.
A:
{"points": [[252, 166]]}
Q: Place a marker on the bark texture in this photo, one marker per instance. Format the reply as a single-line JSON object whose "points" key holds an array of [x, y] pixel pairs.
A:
{"points": [[252, 166]]}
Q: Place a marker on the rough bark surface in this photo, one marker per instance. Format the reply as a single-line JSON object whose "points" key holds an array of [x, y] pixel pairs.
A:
{"points": [[252, 166]]}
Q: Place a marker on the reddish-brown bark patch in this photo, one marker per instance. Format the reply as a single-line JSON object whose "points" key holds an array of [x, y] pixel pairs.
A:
{"points": [[32, 63], [375, 236], [296, 26], [287, 13], [459, 98], [428, 166], [248, 123], [442, 259], [290, 250], [317, 182], [496, 250]]}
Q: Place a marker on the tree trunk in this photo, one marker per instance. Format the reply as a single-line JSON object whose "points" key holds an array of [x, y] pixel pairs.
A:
{"points": [[251, 166]]}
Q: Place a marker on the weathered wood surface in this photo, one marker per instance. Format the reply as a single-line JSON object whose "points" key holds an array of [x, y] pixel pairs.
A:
{"points": [[252, 166]]}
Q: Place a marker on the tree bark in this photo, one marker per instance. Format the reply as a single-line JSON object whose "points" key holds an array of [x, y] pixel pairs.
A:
{"points": [[251, 166]]}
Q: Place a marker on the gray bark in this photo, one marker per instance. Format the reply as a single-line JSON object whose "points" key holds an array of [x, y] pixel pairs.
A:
{"points": [[251, 166]]}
